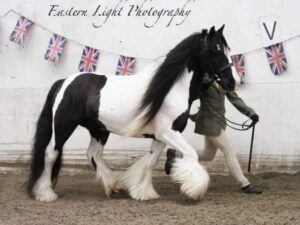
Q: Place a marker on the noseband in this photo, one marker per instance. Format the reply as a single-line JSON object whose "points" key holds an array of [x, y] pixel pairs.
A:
{"points": [[220, 70]]}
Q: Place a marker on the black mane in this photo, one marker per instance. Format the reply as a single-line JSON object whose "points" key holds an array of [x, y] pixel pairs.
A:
{"points": [[168, 72]]}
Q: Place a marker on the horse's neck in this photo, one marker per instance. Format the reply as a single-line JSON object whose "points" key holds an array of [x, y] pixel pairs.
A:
{"points": [[180, 92], [184, 82]]}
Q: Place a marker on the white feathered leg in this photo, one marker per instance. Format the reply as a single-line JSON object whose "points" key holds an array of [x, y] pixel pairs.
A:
{"points": [[138, 178], [187, 171], [43, 188], [103, 172]]}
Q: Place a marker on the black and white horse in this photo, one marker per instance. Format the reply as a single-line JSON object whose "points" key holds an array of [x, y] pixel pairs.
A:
{"points": [[154, 103]]}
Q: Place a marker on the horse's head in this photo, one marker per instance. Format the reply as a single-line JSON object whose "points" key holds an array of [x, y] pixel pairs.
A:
{"points": [[209, 56]]}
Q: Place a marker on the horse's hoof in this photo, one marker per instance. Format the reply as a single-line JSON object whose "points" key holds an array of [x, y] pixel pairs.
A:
{"points": [[144, 195], [112, 186], [193, 177], [47, 196]]}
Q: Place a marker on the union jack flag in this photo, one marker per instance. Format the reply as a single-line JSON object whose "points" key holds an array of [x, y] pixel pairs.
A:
{"points": [[239, 64], [125, 65], [89, 58], [55, 48], [276, 58], [20, 30]]}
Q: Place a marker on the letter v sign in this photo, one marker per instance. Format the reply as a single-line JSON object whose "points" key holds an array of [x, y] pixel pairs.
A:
{"points": [[270, 30], [273, 30]]}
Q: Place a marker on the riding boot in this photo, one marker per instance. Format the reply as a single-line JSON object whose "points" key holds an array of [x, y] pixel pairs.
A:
{"points": [[171, 153], [250, 189]]}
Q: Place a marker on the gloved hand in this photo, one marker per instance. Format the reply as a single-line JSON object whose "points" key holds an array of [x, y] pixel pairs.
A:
{"points": [[254, 118]]}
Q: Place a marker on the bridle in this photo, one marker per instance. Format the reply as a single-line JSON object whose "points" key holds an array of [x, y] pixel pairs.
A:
{"points": [[220, 70], [240, 127]]}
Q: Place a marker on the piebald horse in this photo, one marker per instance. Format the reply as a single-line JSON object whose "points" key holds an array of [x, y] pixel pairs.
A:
{"points": [[154, 103]]}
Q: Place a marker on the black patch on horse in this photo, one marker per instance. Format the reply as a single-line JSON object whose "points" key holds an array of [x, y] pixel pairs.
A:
{"points": [[96, 129], [79, 106]]}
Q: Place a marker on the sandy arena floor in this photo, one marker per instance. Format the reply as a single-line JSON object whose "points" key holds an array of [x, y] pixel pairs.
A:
{"points": [[82, 201]]}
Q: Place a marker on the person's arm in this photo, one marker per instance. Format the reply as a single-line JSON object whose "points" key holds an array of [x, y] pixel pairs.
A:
{"points": [[240, 105]]}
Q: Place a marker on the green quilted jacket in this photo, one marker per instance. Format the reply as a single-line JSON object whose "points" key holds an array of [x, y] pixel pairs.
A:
{"points": [[214, 101]]}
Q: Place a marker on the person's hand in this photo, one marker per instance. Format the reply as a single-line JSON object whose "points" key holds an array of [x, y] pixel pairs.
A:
{"points": [[254, 118]]}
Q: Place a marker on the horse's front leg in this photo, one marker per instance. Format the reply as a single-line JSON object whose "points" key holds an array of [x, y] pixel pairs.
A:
{"points": [[187, 171], [137, 180]]}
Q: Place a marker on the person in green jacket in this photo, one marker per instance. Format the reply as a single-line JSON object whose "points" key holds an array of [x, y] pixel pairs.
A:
{"points": [[212, 103]]}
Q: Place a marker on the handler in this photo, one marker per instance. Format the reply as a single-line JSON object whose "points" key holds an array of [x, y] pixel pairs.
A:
{"points": [[212, 101]]}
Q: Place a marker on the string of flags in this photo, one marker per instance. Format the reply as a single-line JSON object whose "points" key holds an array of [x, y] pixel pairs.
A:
{"points": [[125, 65], [89, 57], [276, 58]]}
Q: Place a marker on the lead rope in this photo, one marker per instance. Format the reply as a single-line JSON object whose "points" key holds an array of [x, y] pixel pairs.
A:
{"points": [[243, 126]]}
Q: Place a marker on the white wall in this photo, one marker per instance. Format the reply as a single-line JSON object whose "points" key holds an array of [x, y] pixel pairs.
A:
{"points": [[25, 76]]}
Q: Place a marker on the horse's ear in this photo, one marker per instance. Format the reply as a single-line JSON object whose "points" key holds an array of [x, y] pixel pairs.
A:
{"points": [[211, 33], [220, 31]]}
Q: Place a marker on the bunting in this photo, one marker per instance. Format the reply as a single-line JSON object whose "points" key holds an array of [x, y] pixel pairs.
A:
{"points": [[125, 65], [20, 30], [89, 58], [55, 48], [239, 64], [276, 58]]}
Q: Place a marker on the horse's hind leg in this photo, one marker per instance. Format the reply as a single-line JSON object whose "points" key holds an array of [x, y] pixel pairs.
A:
{"points": [[43, 189], [95, 155], [138, 178]]}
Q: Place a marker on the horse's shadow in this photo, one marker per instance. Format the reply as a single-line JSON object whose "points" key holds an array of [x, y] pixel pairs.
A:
{"points": [[168, 191]]}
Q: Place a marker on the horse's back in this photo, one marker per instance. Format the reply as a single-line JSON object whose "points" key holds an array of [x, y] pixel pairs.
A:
{"points": [[112, 100]]}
